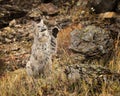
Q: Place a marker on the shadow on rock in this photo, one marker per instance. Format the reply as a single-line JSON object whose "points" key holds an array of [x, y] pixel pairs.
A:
{"points": [[93, 42]]}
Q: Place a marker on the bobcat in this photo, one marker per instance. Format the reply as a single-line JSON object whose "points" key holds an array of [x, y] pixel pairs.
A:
{"points": [[44, 46]]}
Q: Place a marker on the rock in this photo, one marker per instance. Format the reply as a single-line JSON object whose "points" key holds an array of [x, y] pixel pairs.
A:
{"points": [[35, 13], [9, 13], [25, 5], [92, 75], [92, 42], [115, 28], [107, 15], [12, 23], [12, 9], [8, 29], [49, 9], [4, 1], [118, 7], [15, 47], [78, 57], [8, 40], [44, 9], [82, 3], [81, 71], [102, 6]]}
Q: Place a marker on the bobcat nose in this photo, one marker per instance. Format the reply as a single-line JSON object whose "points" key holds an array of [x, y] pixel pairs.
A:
{"points": [[43, 29], [43, 34]]}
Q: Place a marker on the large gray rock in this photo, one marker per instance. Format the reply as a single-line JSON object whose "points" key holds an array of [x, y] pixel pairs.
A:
{"points": [[91, 41]]}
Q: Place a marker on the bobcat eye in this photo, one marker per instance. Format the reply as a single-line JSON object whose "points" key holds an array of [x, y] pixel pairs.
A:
{"points": [[42, 29]]}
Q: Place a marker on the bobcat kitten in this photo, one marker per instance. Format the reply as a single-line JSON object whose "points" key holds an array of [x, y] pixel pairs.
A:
{"points": [[44, 45]]}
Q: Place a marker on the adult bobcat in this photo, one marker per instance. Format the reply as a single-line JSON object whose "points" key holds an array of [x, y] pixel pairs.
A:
{"points": [[44, 46]]}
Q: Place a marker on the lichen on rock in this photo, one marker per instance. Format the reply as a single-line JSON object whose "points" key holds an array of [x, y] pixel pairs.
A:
{"points": [[92, 42]]}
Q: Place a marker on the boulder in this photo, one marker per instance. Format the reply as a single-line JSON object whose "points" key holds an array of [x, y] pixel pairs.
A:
{"points": [[49, 9], [107, 15], [92, 42], [34, 14]]}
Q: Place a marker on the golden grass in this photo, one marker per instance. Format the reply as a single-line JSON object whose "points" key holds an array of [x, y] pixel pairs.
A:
{"points": [[17, 83]]}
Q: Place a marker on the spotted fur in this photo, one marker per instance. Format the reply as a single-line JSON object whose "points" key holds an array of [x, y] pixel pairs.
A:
{"points": [[44, 46]]}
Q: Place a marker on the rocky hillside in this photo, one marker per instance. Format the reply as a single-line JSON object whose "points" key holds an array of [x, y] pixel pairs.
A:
{"points": [[87, 60]]}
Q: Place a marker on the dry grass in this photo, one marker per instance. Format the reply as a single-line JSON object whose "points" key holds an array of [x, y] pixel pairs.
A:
{"points": [[17, 83]]}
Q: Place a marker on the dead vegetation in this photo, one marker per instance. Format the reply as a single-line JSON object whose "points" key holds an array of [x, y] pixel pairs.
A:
{"points": [[15, 82]]}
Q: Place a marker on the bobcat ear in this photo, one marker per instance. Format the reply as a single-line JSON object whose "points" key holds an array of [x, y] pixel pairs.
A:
{"points": [[34, 27], [55, 31], [42, 22]]}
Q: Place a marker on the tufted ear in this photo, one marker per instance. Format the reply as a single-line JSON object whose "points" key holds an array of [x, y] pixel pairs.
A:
{"points": [[42, 22], [55, 31]]}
